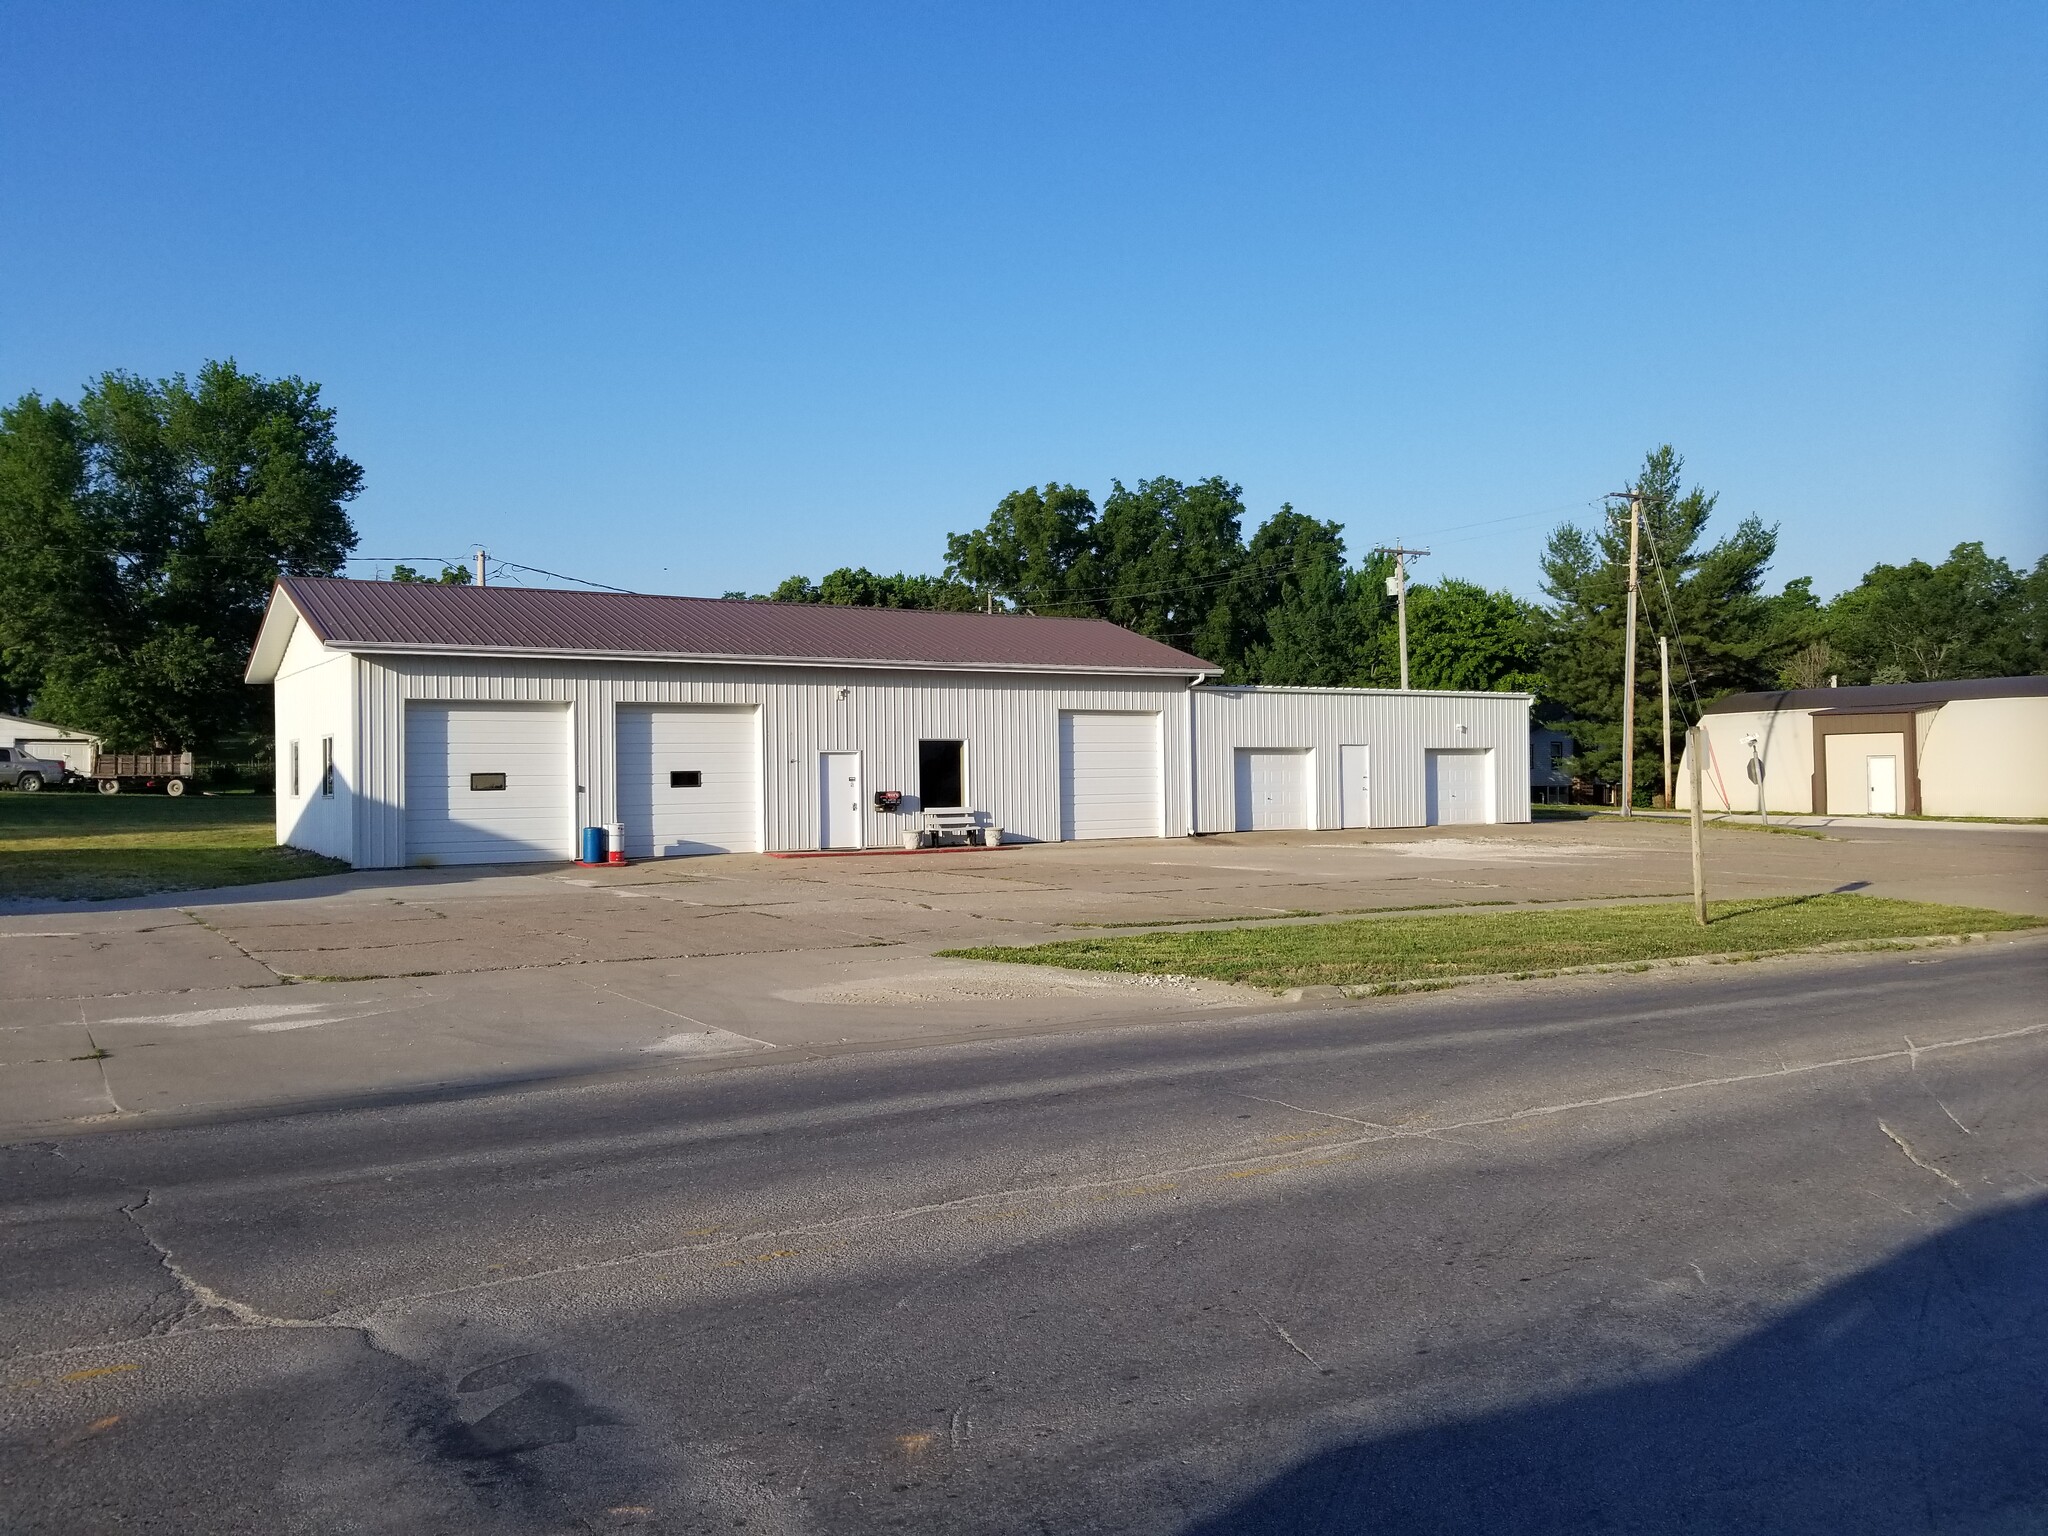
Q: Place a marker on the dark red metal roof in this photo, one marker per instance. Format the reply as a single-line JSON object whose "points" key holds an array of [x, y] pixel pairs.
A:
{"points": [[408, 616]]}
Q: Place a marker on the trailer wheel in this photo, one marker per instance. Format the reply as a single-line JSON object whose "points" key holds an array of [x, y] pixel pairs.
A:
{"points": [[110, 786], [175, 788], [29, 783]]}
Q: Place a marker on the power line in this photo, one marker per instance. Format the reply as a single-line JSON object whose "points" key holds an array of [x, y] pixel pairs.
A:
{"points": [[513, 565], [1685, 659], [496, 564]]}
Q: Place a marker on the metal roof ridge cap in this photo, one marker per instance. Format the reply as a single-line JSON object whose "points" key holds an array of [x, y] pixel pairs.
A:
{"points": [[1392, 693], [427, 648], [755, 602]]}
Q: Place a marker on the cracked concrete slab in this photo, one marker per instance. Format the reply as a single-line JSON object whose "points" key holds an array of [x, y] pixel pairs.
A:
{"points": [[165, 955]]}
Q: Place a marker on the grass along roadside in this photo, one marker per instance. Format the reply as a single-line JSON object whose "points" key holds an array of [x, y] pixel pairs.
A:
{"points": [[1713, 821], [1294, 914], [94, 847], [1371, 952]]}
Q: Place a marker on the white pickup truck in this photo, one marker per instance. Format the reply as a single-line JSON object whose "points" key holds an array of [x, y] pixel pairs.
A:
{"points": [[18, 770]]}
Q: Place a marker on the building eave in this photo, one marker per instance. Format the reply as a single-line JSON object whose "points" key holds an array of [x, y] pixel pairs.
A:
{"points": [[1380, 693], [846, 663], [280, 617]]}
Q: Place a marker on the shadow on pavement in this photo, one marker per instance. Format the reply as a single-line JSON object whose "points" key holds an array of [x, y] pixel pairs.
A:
{"points": [[1912, 1397]]}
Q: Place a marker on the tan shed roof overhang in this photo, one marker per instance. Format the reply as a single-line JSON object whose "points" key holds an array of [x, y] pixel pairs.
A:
{"points": [[1881, 698]]}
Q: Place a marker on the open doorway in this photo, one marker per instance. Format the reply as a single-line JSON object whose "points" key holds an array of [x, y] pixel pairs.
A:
{"points": [[941, 775]]}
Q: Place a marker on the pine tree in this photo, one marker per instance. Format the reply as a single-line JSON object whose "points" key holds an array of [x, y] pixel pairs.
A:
{"points": [[1726, 635]]}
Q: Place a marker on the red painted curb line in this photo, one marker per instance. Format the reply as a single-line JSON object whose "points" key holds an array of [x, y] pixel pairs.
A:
{"points": [[883, 853]]}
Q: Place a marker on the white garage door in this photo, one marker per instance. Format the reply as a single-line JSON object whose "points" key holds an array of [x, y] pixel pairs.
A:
{"points": [[690, 781], [1458, 783], [1273, 789], [1111, 781], [487, 783]]}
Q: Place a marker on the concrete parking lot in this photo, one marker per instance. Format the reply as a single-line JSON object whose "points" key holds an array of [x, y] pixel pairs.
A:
{"points": [[398, 983]]}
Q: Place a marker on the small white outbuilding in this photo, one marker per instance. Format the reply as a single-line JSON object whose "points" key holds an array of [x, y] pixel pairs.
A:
{"points": [[426, 724], [51, 743]]}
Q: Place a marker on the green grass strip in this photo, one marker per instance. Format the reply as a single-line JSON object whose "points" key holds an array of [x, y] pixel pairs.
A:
{"points": [[1378, 951], [69, 846]]}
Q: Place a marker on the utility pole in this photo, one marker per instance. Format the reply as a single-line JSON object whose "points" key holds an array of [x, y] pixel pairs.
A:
{"points": [[1628, 660], [1664, 667], [1397, 588], [1695, 749]]}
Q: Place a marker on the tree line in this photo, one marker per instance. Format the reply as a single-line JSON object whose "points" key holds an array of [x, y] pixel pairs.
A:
{"points": [[141, 529], [1288, 605]]}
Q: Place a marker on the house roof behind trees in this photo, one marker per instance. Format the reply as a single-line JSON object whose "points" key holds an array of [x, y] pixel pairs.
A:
{"points": [[409, 617], [1881, 696]]}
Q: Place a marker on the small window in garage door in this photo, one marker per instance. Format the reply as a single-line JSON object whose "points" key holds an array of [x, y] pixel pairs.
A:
{"points": [[689, 780], [487, 783]]}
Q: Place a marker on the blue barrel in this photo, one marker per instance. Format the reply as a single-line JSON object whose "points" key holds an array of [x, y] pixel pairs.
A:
{"points": [[593, 845]]}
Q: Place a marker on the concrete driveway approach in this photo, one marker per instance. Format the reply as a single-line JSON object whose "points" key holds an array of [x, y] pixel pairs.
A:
{"points": [[423, 982]]}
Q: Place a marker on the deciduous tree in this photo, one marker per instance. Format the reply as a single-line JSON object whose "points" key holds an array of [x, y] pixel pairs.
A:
{"points": [[1035, 552], [851, 587], [1973, 615], [140, 533], [1463, 636]]}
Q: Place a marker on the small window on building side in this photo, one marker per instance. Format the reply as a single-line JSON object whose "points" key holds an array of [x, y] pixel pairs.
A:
{"points": [[1556, 753], [940, 780], [327, 767], [295, 770], [487, 781], [686, 778]]}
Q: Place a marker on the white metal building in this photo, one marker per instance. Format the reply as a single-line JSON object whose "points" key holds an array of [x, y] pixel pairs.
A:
{"points": [[1972, 747], [423, 724], [52, 743]]}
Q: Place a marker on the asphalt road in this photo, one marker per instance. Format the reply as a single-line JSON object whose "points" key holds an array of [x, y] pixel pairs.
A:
{"points": [[1748, 1248]]}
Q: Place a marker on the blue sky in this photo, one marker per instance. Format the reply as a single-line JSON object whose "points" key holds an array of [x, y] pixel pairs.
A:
{"points": [[687, 299]]}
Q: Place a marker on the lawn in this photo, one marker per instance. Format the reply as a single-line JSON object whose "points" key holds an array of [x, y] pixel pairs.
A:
{"points": [[99, 846], [1406, 950]]}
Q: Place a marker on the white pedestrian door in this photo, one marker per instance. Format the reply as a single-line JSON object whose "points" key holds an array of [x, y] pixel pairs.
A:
{"points": [[1272, 789], [1884, 785], [1354, 794], [1456, 784], [839, 800], [1111, 781]]}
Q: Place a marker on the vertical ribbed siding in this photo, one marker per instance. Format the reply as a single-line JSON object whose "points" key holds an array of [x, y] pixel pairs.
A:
{"points": [[1010, 724], [1398, 727]]}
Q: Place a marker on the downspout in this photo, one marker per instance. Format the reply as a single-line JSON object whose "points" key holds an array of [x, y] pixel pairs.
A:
{"points": [[1193, 741]]}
